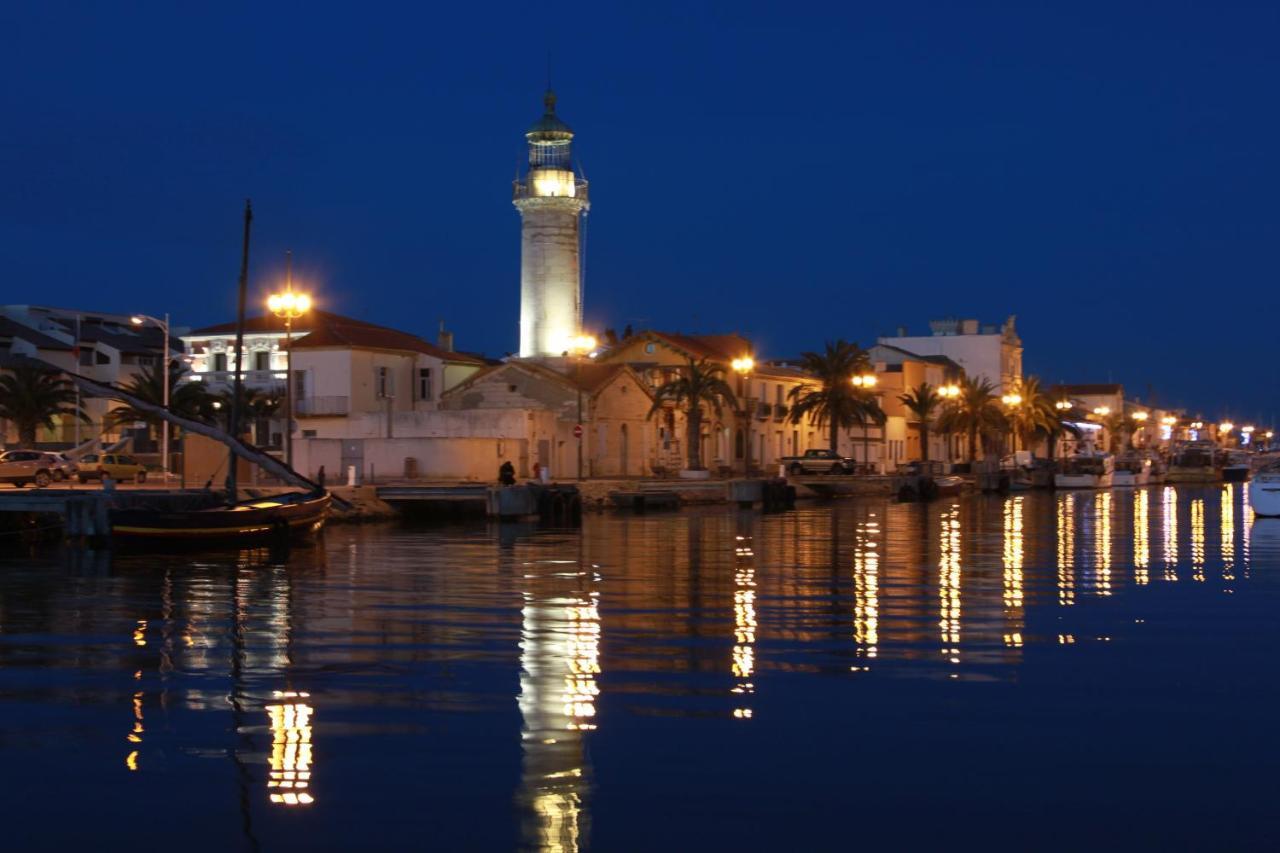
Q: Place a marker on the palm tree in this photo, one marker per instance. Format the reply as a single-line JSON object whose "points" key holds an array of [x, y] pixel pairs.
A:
{"points": [[186, 399], [834, 402], [701, 383], [923, 401], [1117, 427], [32, 395], [1036, 415], [975, 412]]}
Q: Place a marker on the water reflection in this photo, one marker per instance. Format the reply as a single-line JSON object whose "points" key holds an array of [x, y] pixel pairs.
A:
{"points": [[290, 760], [949, 583], [1141, 536], [559, 666], [866, 588], [663, 626], [744, 624], [1013, 559]]}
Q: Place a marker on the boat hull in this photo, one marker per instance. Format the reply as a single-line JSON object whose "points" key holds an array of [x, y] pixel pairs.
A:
{"points": [[292, 518], [1235, 474], [1126, 479], [1192, 475], [1082, 481], [1264, 496]]}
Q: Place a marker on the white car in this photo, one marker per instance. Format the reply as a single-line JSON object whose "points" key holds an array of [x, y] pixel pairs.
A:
{"points": [[20, 467]]}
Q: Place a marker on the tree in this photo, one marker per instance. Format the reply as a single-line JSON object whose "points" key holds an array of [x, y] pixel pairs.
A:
{"points": [[1035, 416], [32, 395], [256, 407], [924, 402], [699, 384], [186, 399], [1117, 427], [834, 402], [975, 412]]}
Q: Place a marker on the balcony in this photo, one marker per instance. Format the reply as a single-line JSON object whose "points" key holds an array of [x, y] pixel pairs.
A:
{"points": [[322, 407], [780, 412], [262, 380], [763, 411]]}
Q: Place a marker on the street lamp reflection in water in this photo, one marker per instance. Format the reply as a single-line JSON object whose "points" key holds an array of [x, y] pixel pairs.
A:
{"points": [[290, 762]]}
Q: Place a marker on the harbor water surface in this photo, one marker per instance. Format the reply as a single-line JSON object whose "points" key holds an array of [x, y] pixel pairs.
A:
{"points": [[1040, 671]]}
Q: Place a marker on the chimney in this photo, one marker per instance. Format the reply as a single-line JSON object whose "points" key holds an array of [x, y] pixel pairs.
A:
{"points": [[445, 339], [902, 331]]}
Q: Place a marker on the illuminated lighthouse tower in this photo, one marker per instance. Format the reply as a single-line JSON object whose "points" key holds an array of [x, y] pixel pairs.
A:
{"points": [[552, 201]]}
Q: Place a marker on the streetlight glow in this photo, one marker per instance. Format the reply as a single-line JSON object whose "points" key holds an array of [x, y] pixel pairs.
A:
{"points": [[1102, 411], [1226, 426], [288, 306], [1012, 400], [864, 380], [949, 392], [1141, 417], [743, 365]]}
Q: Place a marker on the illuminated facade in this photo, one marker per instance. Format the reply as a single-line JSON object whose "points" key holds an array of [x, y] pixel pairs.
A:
{"points": [[552, 201]]}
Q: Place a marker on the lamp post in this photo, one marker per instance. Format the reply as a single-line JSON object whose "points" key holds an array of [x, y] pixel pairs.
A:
{"points": [[864, 382], [1140, 425], [581, 345], [138, 320], [743, 367], [289, 306], [949, 392], [1224, 431], [1011, 402]]}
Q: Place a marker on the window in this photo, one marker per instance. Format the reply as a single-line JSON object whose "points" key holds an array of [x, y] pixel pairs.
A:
{"points": [[384, 382], [777, 394], [262, 360], [308, 433], [220, 362], [424, 383], [650, 348], [299, 384]]}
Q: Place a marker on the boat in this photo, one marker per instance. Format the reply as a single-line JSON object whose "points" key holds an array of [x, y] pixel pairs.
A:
{"points": [[283, 518], [1087, 469], [1131, 470], [1195, 462], [1264, 492], [1237, 467]]}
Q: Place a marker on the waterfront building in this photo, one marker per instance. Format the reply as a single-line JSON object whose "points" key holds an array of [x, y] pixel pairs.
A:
{"points": [[899, 372], [763, 398], [988, 351], [610, 402], [104, 347], [553, 202]]}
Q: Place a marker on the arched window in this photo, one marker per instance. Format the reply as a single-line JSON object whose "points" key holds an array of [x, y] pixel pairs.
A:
{"points": [[739, 443]]}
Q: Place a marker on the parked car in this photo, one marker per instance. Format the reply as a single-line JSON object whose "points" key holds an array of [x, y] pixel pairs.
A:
{"points": [[818, 462], [120, 466], [62, 465], [20, 467]]}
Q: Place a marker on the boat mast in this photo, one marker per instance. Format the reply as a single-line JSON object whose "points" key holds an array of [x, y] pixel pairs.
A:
{"points": [[238, 388]]}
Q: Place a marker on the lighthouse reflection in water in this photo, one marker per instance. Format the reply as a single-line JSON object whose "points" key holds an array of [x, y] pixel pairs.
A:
{"points": [[765, 681]]}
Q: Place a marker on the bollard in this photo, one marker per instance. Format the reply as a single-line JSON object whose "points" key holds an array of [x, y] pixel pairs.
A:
{"points": [[351, 475]]}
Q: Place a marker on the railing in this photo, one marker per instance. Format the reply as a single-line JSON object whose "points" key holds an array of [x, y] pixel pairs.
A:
{"points": [[322, 407], [780, 412], [252, 378], [551, 189], [763, 411]]}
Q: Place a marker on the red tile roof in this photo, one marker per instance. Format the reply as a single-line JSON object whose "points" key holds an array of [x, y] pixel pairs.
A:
{"points": [[323, 329]]}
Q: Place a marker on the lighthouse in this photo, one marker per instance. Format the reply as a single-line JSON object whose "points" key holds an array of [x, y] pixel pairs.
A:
{"points": [[552, 200]]}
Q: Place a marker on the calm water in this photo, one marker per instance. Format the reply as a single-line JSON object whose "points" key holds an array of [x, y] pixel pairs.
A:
{"points": [[1043, 671]]}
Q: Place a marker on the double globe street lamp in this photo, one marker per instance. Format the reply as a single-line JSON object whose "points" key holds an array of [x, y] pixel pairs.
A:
{"points": [[743, 367]]}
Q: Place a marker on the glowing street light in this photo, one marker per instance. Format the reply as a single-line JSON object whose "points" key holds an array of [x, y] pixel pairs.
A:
{"points": [[1102, 411], [743, 367], [289, 306], [138, 320], [1168, 420], [864, 381], [583, 344], [1062, 405], [1141, 417], [1226, 427], [1012, 400]]}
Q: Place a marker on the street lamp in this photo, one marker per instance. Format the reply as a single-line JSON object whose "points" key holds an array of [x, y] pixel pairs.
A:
{"points": [[1102, 411], [1062, 405], [865, 382], [743, 367], [138, 320], [289, 306]]}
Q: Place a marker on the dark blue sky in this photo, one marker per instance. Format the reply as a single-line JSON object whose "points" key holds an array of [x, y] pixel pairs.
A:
{"points": [[1107, 172]]}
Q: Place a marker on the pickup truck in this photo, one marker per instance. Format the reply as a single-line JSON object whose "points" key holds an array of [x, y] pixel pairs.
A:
{"points": [[818, 462]]}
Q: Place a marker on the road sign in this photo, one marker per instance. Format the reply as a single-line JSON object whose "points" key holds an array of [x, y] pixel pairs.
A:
{"points": [[577, 431]]}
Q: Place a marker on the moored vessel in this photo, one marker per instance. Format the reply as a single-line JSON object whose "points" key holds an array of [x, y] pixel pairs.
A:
{"points": [[1195, 462], [1264, 491], [1088, 469], [1131, 470]]}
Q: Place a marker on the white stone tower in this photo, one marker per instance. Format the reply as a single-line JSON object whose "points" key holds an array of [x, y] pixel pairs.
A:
{"points": [[552, 201]]}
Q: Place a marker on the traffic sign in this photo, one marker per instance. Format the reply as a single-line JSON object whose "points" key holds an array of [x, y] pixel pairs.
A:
{"points": [[577, 431]]}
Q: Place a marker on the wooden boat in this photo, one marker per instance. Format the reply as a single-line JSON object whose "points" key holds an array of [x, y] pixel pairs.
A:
{"points": [[278, 518], [1131, 470], [1088, 469], [1238, 467]]}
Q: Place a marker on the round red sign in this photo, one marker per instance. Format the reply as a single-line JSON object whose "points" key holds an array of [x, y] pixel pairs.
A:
{"points": [[577, 431]]}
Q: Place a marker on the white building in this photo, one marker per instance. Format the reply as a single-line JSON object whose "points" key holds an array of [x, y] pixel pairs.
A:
{"points": [[552, 199], [989, 352]]}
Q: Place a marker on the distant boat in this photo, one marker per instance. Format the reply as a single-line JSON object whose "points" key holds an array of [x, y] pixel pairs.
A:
{"points": [[1088, 469], [1131, 470], [1237, 467], [1195, 462], [1264, 491]]}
